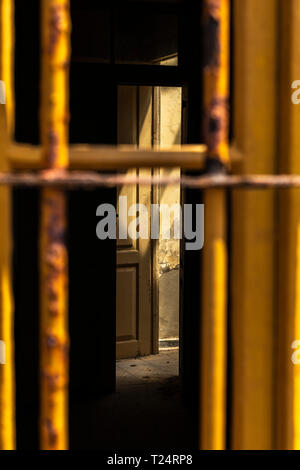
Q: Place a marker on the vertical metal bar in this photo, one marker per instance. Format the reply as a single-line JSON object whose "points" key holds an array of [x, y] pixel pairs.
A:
{"points": [[7, 60], [7, 370], [54, 339], [253, 226], [214, 306], [288, 373]]}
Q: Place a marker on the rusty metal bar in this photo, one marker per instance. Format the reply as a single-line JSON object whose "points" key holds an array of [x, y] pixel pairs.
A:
{"points": [[216, 79], [213, 353], [54, 338], [7, 368], [126, 156], [90, 179], [7, 42], [99, 157]]}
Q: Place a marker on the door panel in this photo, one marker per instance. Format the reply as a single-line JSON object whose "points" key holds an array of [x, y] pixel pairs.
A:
{"points": [[126, 303]]}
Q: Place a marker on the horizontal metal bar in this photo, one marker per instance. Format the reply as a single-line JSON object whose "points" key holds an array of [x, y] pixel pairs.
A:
{"points": [[128, 156], [84, 179], [99, 157]]}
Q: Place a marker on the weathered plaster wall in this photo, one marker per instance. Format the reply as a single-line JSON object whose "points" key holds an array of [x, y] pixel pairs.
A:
{"points": [[170, 133]]}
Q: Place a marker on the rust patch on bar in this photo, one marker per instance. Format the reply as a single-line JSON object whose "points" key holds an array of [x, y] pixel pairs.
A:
{"points": [[67, 118], [216, 124], [62, 349], [51, 290], [52, 433], [56, 25], [51, 340], [212, 34], [65, 64], [53, 148], [57, 236], [214, 8], [52, 380]]}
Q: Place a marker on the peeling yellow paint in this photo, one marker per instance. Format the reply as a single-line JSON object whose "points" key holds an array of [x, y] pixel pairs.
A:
{"points": [[54, 338]]}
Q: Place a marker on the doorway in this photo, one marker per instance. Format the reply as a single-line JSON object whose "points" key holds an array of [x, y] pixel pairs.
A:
{"points": [[148, 270]]}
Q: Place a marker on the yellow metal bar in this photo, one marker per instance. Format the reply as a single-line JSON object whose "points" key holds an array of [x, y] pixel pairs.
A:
{"points": [[214, 324], [97, 157], [253, 227], [7, 34], [7, 389], [7, 370], [54, 338], [91, 157], [214, 306], [216, 78], [288, 405], [126, 156]]}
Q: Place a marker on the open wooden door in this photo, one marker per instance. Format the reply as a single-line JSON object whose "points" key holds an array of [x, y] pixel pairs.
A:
{"points": [[134, 260], [147, 270]]}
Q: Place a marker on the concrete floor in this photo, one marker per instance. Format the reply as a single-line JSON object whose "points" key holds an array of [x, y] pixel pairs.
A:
{"points": [[142, 370], [146, 411]]}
